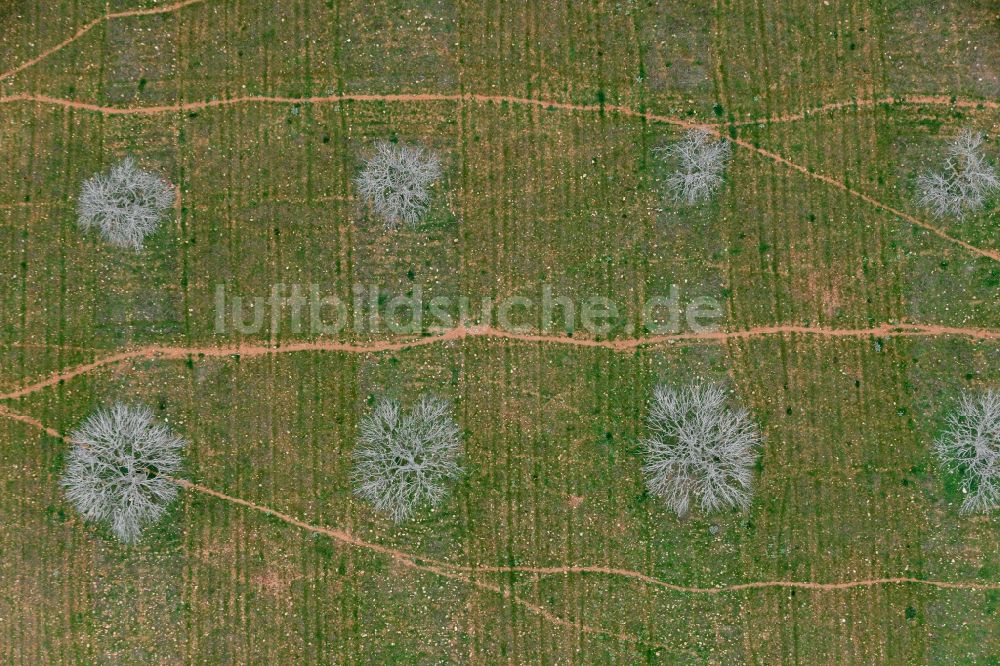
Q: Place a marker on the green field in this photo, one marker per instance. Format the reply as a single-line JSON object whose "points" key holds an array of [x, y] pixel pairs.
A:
{"points": [[847, 488]]}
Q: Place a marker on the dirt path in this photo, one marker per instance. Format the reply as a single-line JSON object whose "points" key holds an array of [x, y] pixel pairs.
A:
{"points": [[914, 100], [337, 99], [715, 130], [33, 422], [405, 559], [461, 333], [755, 585], [982, 252], [937, 100], [87, 27], [464, 573], [421, 563], [458, 572]]}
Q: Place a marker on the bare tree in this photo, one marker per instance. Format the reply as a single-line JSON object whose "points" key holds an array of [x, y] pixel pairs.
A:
{"points": [[700, 163], [698, 449], [966, 182], [395, 181], [404, 458], [118, 469], [970, 445], [125, 205]]}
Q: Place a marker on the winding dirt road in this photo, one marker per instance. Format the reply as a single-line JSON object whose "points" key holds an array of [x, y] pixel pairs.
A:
{"points": [[715, 130], [910, 100], [467, 574], [457, 572], [87, 27], [462, 332]]}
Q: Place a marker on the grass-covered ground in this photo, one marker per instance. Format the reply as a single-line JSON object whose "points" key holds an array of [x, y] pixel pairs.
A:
{"points": [[846, 487]]}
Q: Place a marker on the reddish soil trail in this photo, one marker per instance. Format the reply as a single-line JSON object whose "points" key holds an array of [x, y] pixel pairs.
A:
{"points": [[937, 100], [498, 99], [419, 563], [35, 423], [465, 574], [87, 27], [51, 345], [913, 100], [461, 332], [69, 374], [736, 587], [456, 572], [715, 130], [337, 99], [408, 560], [982, 252]]}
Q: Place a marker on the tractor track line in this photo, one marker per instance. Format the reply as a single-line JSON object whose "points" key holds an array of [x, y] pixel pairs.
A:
{"points": [[936, 100], [415, 562], [457, 572], [33, 422], [87, 27], [736, 587], [462, 332], [405, 559], [715, 130], [337, 99], [775, 157], [411, 560], [911, 100], [622, 110]]}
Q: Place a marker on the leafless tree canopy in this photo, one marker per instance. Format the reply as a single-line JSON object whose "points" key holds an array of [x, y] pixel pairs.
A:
{"points": [[698, 449], [970, 445], [125, 205], [966, 182], [405, 458], [118, 467], [700, 162], [396, 180]]}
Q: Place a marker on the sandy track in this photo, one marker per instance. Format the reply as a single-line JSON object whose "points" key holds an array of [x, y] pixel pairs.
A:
{"points": [[736, 587], [914, 100], [440, 568], [412, 561], [87, 27], [337, 99], [715, 130], [35, 423], [405, 559], [461, 333], [462, 573], [936, 100], [982, 252]]}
